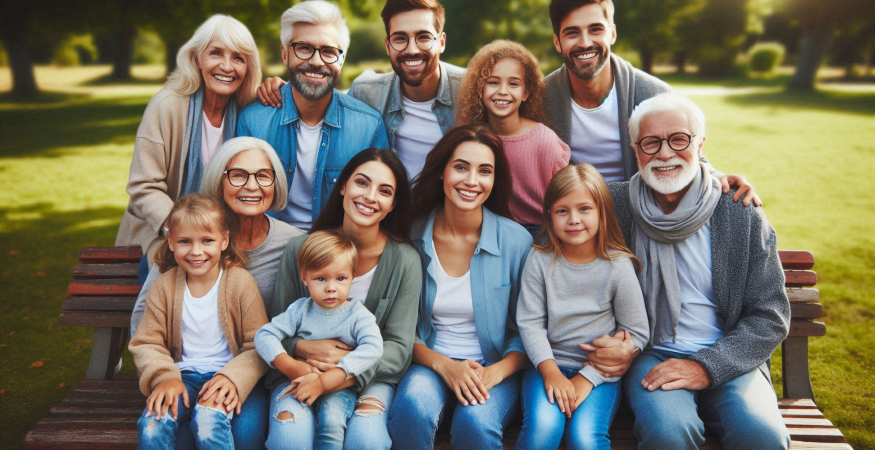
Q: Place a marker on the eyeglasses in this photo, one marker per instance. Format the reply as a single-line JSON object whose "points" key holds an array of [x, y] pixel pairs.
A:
{"points": [[306, 51], [239, 177], [678, 142], [425, 41]]}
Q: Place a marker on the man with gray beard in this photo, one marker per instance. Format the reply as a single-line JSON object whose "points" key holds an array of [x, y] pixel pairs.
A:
{"points": [[318, 129]]}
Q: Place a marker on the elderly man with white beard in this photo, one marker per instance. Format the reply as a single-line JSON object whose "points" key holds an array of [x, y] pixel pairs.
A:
{"points": [[714, 292]]}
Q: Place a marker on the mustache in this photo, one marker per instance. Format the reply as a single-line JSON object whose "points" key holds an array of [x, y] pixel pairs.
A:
{"points": [[321, 70], [422, 55], [579, 51]]}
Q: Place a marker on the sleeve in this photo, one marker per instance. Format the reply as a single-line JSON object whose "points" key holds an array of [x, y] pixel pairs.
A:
{"points": [[629, 309], [140, 304], [243, 125], [381, 139], [512, 341], [289, 287], [400, 327], [369, 344], [268, 340], [149, 346], [532, 312], [765, 313], [147, 181], [563, 156], [594, 377], [246, 368]]}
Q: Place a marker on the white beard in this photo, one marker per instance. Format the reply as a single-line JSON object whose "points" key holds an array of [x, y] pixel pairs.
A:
{"points": [[667, 186]]}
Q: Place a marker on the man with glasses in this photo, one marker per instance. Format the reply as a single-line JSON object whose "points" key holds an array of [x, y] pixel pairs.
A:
{"points": [[318, 129]]}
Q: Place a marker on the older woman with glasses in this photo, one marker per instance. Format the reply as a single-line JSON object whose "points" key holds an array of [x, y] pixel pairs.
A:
{"points": [[246, 175]]}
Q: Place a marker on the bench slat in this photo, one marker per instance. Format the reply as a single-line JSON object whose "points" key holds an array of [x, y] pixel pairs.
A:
{"points": [[110, 255], [79, 439], [103, 319], [800, 278], [91, 271], [796, 259], [807, 422], [816, 434], [806, 310], [803, 295], [807, 328], [799, 445], [81, 303], [105, 287]]}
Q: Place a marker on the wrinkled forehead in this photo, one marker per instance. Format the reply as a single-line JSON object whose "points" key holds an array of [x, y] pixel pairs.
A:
{"points": [[664, 123], [317, 35]]}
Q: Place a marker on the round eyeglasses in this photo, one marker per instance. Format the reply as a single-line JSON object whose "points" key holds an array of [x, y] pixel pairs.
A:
{"points": [[305, 51], [678, 142], [399, 42], [239, 177]]}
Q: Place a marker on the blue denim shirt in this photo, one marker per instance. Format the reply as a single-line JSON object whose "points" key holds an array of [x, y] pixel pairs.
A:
{"points": [[383, 93], [496, 269], [349, 127]]}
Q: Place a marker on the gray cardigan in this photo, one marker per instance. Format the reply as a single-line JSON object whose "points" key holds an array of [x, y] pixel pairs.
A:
{"points": [[748, 283], [633, 87]]}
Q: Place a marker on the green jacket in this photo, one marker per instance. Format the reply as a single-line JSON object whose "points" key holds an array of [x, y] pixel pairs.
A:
{"points": [[393, 298]]}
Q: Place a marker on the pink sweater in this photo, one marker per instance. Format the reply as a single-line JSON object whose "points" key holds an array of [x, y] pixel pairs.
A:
{"points": [[534, 158]]}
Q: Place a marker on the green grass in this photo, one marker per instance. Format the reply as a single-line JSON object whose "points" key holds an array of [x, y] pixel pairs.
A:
{"points": [[66, 158]]}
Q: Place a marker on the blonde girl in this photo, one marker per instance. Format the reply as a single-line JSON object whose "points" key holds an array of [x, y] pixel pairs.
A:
{"points": [[580, 279]]}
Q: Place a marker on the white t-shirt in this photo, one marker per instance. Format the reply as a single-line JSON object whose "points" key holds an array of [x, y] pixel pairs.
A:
{"points": [[595, 137], [453, 316], [416, 135], [361, 284], [211, 139], [204, 348], [299, 211]]}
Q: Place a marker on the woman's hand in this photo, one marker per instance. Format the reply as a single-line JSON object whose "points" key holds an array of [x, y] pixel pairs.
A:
{"points": [[307, 388], [462, 378], [220, 391], [490, 376], [323, 354], [166, 395], [582, 388], [560, 390], [269, 92]]}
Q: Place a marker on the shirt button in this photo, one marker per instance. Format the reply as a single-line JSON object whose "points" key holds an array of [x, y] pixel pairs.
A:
{"points": [[323, 144], [442, 123], [334, 180]]}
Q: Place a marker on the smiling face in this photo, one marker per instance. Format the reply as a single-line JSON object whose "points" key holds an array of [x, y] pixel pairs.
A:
{"points": [[505, 89], [369, 194], [329, 285], [469, 176], [575, 220], [223, 70], [313, 78], [585, 39], [414, 65], [668, 172], [251, 199], [197, 251]]}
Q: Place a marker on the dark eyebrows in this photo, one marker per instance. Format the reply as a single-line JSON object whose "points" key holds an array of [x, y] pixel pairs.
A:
{"points": [[570, 28], [415, 33], [365, 176], [461, 161]]}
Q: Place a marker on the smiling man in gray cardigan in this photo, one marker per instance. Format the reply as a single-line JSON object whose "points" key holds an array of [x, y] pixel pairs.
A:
{"points": [[713, 289]]}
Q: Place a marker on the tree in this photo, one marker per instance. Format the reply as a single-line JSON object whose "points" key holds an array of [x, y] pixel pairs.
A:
{"points": [[15, 33], [651, 26]]}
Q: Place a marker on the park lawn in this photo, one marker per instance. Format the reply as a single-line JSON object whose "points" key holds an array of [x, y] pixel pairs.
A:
{"points": [[66, 160]]}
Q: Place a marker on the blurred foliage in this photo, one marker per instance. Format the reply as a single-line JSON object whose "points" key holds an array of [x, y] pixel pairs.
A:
{"points": [[765, 57], [75, 50], [4, 58], [367, 40], [148, 48]]}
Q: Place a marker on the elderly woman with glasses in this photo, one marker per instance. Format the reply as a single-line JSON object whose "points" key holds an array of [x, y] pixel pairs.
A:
{"points": [[246, 176]]}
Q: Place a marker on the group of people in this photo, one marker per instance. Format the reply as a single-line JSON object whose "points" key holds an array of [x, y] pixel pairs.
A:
{"points": [[337, 270]]}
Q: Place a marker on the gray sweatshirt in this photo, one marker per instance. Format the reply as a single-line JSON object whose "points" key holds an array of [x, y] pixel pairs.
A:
{"points": [[571, 304], [350, 323]]}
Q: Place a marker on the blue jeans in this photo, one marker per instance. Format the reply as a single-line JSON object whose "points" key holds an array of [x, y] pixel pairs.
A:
{"points": [[423, 399], [210, 428], [249, 428], [544, 424], [294, 425], [743, 412], [370, 429]]}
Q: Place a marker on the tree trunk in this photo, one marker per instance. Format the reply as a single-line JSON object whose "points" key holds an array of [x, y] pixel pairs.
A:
{"points": [[812, 49], [647, 56], [16, 40], [680, 60], [124, 52], [172, 47]]}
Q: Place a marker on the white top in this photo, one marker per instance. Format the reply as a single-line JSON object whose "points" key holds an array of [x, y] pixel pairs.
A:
{"points": [[204, 348], [211, 139], [595, 137], [453, 316], [361, 284], [698, 326], [416, 135], [299, 211]]}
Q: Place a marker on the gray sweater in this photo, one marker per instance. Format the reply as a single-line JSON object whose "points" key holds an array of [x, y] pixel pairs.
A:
{"points": [[350, 323], [748, 283], [571, 304]]}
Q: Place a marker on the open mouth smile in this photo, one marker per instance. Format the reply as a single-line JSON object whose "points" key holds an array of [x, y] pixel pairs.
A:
{"points": [[365, 210], [224, 79], [250, 200], [467, 195]]}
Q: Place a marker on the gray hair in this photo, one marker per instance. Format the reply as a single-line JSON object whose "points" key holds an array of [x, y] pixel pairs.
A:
{"points": [[186, 79], [316, 12], [666, 102], [213, 173]]}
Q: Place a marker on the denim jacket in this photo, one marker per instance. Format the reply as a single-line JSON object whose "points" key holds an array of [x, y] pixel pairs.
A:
{"points": [[383, 92], [349, 127], [496, 269]]}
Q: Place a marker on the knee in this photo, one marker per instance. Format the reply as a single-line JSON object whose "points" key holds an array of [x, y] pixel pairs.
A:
{"points": [[761, 435], [675, 432], [474, 430], [586, 438]]}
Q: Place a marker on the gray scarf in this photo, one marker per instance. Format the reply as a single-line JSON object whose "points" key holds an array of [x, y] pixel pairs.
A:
{"points": [[194, 165], [653, 236]]}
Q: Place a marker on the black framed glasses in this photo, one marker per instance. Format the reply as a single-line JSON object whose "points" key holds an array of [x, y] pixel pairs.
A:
{"points": [[239, 177], [678, 142], [305, 51], [424, 40]]}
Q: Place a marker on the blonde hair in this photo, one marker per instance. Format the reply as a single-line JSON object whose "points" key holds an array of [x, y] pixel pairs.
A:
{"points": [[471, 108], [205, 213], [187, 79], [315, 12], [609, 235], [324, 247], [211, 183]]}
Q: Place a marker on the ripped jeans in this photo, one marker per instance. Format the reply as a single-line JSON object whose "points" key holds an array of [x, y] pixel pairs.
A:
{"points": [[211, 428], [331, 423]]}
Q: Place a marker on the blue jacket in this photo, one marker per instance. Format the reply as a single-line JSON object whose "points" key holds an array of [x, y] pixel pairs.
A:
{"points": [[496, 269], [349, 127], [383, 93]]}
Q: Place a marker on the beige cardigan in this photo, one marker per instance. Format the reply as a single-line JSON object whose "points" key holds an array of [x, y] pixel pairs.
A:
{"points": [[156, 169], [157, 346]]}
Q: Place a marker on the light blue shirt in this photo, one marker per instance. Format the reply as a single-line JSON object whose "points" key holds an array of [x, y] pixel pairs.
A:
{"points": [[349, 127], [495, 270]]}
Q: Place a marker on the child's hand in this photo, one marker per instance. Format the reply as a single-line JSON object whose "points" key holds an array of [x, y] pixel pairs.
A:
{"points": [[308, 389], [464, 381], [220, 391], [582, 388], [561, 389], [164, 396]]}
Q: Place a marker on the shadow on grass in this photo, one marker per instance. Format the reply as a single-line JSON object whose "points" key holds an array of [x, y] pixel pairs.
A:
{"points": [[696, 80], [109, 80], [843, 102], [7, 100]]}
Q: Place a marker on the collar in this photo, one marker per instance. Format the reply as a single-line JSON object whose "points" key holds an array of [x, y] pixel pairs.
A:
{"points": [[290, 111], [444, 94], [424, 231]]}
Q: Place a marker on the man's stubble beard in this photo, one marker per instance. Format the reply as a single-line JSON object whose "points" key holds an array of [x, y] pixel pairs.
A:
{"points": [[312, 91]]}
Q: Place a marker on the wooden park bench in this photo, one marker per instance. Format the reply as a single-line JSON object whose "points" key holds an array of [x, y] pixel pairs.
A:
{"points": [[102, 412]]}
